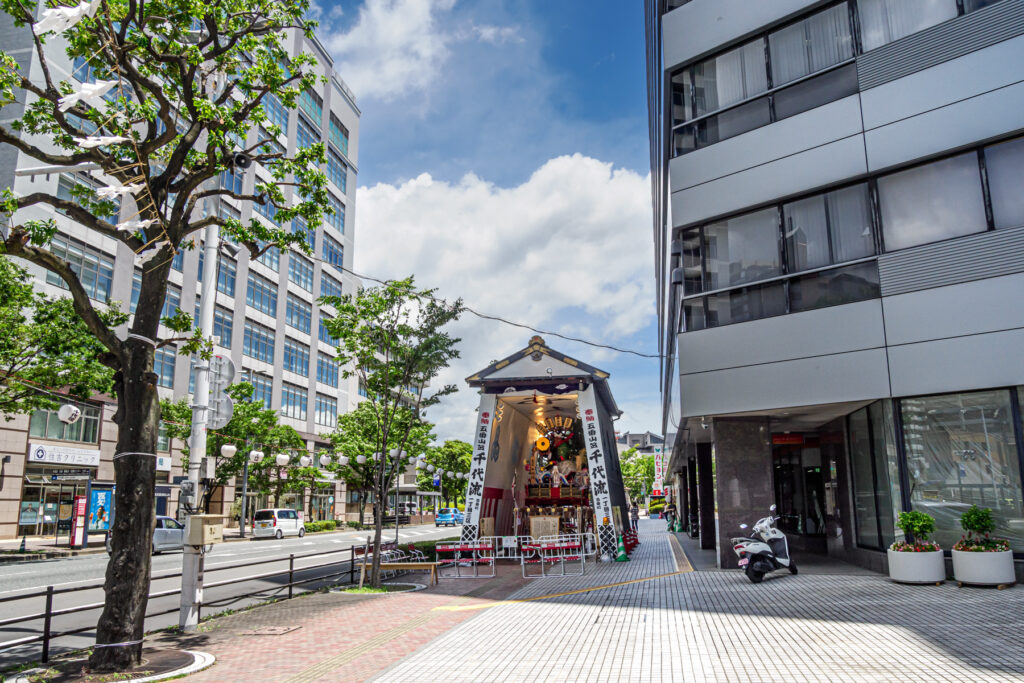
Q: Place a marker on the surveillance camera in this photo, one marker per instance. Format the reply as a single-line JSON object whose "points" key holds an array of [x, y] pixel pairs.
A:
{"points": [[69, 414], [704, 425]]}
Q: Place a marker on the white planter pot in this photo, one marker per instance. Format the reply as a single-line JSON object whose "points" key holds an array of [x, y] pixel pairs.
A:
{"points": [[917, 567], [984, 569]]}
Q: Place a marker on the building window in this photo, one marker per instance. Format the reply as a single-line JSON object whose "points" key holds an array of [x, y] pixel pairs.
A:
{"points": [[327, 371], [263, 388], [296, 357], [275, 111], [961, 450], [163, 441], [178, 262], [336, 218], [312, 104], [232, 181], [137, 291], [883, 21], [261, 294], [729, 78], [300, 271], [932, 202], [301, 227], [293, 401], [337, 170], [333, 252], [834, 287], [322, 333], [362, 389], [299, 314], [326, 411], [806, 47], [874, 463], [267, 210], [828, 228], [338, 135], [329, 286], [742, 249], [306, 134], [95, 270], [1004, 165], [45, 424], [269, 142], [226, 271], [271, 258], [258, 342], [223, 325], [71, 187], [172, 299], [163, 366], [746, 303]]}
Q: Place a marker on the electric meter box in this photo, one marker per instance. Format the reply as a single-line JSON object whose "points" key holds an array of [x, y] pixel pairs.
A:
{"points": [[204, 530]]}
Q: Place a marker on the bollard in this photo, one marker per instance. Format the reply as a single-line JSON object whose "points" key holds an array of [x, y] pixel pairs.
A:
{"points": [[291, 574]]}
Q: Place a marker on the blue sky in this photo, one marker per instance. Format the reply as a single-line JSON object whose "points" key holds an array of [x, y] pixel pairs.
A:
{"points": [[503, 159]]}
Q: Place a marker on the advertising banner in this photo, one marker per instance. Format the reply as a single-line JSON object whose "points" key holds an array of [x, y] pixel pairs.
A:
{"points": [[78, 523], [101, 503], [478, 466], [658, 488], [30, 512]]}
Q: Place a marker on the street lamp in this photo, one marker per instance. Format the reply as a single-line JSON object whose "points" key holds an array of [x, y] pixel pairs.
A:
{"points": [[342, 460], [282, 459], [254, 456], [325, 460], [305, 461]]}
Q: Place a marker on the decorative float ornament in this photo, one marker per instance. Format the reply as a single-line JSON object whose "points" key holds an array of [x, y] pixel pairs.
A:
{"points": [[543, 443]]}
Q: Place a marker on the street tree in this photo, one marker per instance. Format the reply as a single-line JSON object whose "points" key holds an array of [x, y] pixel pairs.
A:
{"points": [[177, 94], [637, 472], [451, 456], [392, 338], [357, 434], [45, 346], [252, 427]]}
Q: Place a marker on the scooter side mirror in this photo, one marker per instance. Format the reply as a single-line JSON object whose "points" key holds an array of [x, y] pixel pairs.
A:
{"points": [[773, 508]]}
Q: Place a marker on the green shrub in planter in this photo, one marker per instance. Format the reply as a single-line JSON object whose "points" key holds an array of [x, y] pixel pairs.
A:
{"points": [[917, 526], [324, 525], [978, 524]]}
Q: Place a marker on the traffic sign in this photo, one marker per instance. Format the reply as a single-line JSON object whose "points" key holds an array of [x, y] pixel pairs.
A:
{"points": [[222, 373]]}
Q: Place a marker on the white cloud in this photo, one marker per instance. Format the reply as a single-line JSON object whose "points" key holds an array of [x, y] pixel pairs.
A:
{"points": [[393, 47], [497, 35], [568, 250]]}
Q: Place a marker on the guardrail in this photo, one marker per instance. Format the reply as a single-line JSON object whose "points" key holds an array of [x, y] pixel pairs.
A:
{"points": [[356, 555]]}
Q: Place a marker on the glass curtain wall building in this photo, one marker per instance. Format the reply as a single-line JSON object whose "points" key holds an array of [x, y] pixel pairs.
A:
{"points": [[839, 251]]}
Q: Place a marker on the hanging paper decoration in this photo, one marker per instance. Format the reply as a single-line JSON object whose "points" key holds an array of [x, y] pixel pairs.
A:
{"points": [[59, 19], [97, 140], [90, 93]]}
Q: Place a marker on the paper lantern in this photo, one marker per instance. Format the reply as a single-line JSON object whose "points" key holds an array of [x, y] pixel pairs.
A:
{"points": [[360, 459], [325, 460], [342, 460], [282, 459], [305, 461]]}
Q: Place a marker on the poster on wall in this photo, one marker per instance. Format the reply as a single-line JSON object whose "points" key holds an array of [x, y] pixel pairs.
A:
{"points": [[30, 512], [101, 502]]}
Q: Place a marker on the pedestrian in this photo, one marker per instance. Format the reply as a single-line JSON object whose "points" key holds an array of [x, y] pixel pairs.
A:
{"points": [[670, 514], [634, 516]]}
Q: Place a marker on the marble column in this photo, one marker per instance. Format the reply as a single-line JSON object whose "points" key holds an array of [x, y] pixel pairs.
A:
{"points": [[743, 477]]}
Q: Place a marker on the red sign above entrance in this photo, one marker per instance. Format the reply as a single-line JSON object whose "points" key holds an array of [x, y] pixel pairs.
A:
{"points": [[787, 439]]}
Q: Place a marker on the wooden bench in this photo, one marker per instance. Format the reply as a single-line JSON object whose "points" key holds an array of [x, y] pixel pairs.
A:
{"points": [[406, 566]]}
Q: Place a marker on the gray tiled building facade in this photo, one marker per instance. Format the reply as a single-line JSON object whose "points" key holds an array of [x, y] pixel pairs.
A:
{"points": [[839, 233], [267, 318]]}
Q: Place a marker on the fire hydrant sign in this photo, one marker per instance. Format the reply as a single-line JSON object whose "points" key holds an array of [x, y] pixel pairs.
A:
{"points": [[475, 488]]}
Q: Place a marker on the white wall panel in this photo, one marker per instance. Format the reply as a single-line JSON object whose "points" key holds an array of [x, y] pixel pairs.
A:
{"points": [[970, 308], [818, 126], [856, 376], [837, 329], [959, 124], [813, 168], [974, 362], [701, 26], [944, 84]]}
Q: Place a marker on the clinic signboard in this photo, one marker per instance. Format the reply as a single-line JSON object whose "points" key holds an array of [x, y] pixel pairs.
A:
{"points": [[48, 454]]}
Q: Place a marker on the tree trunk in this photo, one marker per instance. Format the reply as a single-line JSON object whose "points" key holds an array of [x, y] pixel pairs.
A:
{"points": [[127, 579], [362, 508]]}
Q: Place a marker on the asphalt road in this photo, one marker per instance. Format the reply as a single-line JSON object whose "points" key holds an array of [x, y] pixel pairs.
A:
{"points": [[232, 560]]}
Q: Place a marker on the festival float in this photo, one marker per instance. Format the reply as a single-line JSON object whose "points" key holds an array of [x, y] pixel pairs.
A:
{"points": [[544, 456]]}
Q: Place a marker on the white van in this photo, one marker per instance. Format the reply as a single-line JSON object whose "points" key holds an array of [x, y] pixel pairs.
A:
{"points": [[277, 523]]}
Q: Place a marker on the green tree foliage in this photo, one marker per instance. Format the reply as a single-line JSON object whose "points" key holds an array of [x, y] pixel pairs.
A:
{"points": [[187, 85], [451, 456], [358, 434], [250, 423], [392, 337], [45, 344], [637, 472]]}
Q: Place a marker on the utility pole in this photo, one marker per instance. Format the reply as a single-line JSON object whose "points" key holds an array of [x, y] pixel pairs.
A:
{"points": [[191, 562]]}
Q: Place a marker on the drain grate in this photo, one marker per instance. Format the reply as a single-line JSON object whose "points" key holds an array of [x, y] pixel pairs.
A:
{"points": [[270, 631]]}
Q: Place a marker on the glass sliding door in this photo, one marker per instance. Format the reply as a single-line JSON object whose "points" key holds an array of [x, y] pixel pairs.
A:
{"points": [[864, 509], [875, 466], [961, 451]]}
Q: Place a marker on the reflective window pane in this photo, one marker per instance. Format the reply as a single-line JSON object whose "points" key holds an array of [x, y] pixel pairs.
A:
{"points": [[814, 92], [971, 5], [737, 121], [749, 303], [834, 287], [865, 509], [849, 217], [742, 249], [961, 451], [805, 232], [692, 262], [883, 21], [681, 103], [816, 43], [1005, 166], [693, 315], [932, 202], [730, 78]]}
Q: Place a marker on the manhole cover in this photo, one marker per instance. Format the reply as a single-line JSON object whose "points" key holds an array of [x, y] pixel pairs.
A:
{"points": [[270, 631]]}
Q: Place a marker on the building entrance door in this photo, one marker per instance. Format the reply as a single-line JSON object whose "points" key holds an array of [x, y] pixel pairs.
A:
{"points": [[799, 484]]}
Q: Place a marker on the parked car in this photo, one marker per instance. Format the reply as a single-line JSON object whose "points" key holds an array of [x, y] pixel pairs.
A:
{"points": [[448, 517], [168, 534], [277, 523]]}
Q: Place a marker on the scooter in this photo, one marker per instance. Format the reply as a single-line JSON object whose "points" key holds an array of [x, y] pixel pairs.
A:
{"points": [[771, 552]]}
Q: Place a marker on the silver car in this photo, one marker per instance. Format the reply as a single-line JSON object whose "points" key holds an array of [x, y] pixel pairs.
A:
{"points": [[168, 534]]}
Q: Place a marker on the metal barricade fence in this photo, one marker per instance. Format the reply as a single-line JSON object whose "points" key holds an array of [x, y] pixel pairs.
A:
{"points": [[551, 550], [473, 554]]}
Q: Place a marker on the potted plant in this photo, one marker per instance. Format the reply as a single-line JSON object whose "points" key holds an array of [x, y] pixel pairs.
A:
{"points": [[978, 558], [916, 560]]}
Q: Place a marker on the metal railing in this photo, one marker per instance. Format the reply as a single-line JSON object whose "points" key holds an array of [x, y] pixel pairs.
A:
{"points": [[356, 555]]}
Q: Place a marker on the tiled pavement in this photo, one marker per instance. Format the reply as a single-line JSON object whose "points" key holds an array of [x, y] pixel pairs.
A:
{"points": [[686, 626]]}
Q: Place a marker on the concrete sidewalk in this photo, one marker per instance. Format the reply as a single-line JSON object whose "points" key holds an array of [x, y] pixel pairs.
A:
{"points": [[650, 619]]}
